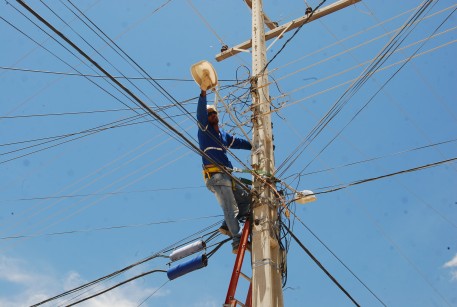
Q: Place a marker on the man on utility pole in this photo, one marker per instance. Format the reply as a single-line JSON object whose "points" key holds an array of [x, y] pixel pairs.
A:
{"points": [[215, 142]]}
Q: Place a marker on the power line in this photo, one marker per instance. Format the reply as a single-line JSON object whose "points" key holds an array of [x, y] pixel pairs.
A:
{"points": [[293, 35], [129, 267], [333, 279], [337, 258], [115, 286], [379, 157], [185, 140], [380, 59], [418, 168], [55, 55], [101, 194], [98, 76], [380, 89], [107, 228]]}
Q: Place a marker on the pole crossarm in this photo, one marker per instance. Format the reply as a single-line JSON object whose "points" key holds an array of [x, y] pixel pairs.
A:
{"points": [[278, 31]]}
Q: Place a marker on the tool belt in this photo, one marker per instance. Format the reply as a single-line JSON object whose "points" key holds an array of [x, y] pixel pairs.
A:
{"points": [[209, 170]]}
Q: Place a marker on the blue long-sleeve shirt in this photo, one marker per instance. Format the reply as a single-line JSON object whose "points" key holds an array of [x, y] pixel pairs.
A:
{"points": [[215, 144]]}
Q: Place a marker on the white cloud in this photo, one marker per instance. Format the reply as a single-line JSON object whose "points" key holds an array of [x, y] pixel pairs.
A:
{"points": [[452, 264], [25, 286]]}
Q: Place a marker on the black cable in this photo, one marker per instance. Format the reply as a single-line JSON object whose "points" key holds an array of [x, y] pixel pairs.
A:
{"points": [[54, 145], [101, 194], [105, 228], [377, 158], [53, 38], [124, 94], [95, 111], [336, 257], [99, 76], [320, 265], [293, 35], [123, 270], [219, 245], [377, 92], [418, 168], [115, 286], [190, 145], [96, 51], [116, 124], [135, 65], [156, 85], [350, 92]]}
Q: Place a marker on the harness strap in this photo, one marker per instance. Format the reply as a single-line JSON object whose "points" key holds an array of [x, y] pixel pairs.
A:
{"points": [[213, 148]]}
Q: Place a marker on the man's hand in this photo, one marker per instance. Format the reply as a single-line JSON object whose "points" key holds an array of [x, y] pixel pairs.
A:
{"points": [[206, 81]]}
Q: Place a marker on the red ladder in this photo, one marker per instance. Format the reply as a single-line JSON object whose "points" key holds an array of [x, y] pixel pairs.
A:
{"points": [[230, 300]]}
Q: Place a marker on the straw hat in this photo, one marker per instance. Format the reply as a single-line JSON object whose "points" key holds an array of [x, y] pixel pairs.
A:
{"points": [[198, 71]]}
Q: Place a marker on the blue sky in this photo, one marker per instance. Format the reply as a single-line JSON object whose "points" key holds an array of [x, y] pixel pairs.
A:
{"points": [[93, 203]]}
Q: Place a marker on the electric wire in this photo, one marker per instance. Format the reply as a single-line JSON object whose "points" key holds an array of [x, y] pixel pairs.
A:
{"points": [[155, 291], [95, 50], [47, 147], [115, 286], [129, 60], [348, 50], [72, 53], [206, 22], [335, 108], [379, 157], [361, 65], [129, 267], [187, 142], [55, 55], [78, 231], [378, 91], [335, 256], [108, 168], [399, 250], [122, 92], [362, 181], [80, 209], [101, 194], [383, 55], [99, 76], [112, 183], [293, 35], [317, 262], [322, 50], [424, 79], [328, 89], [126, 121]]}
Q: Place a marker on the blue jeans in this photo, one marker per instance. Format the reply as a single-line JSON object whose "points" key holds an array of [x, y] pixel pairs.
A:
{"points": [[235, 202]]}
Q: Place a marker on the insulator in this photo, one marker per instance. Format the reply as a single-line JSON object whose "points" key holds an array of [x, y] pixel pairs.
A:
{"points": [[189, 266], [187, 250], [224, 48], [308, 10]]}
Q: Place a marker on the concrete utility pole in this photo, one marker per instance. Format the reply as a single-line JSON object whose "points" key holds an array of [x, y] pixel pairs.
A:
{"points": [[266, 254], [266, 260]]}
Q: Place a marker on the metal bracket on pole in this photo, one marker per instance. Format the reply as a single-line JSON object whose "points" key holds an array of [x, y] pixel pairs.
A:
{"points": [[270, 24], [290, 25], [279, 36]]}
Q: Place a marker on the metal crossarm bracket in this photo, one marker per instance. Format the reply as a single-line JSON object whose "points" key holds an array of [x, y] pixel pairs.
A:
{"points": [[278, 31]]}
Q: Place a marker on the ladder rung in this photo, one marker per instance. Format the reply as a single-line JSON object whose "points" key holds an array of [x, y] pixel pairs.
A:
{"points": [[245, 276], [234, 303]]}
